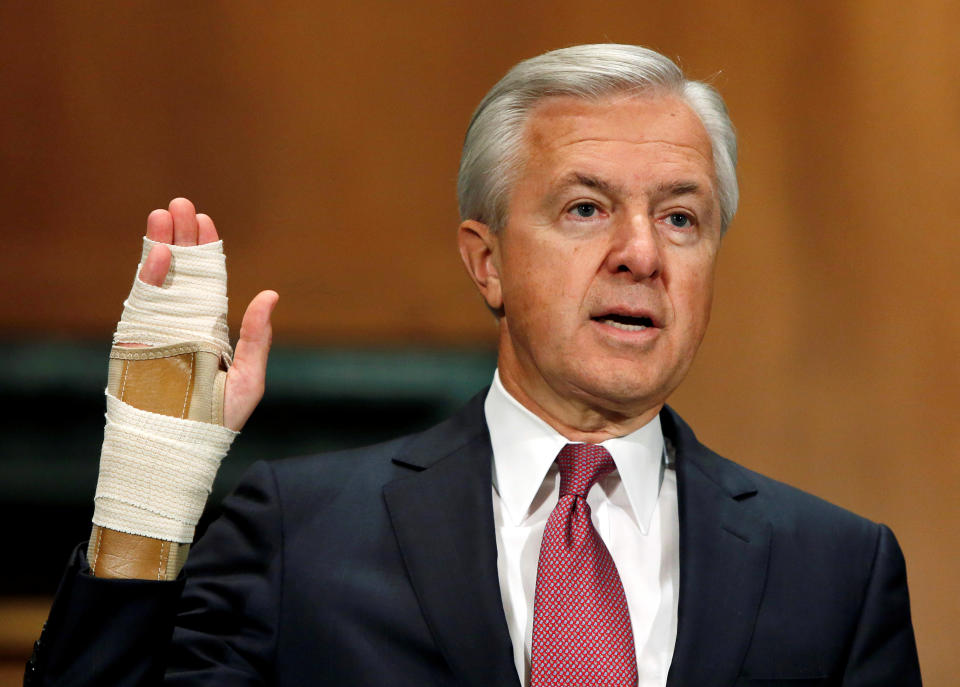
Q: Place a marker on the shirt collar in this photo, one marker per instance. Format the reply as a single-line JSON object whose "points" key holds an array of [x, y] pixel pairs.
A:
{"points": [[524, 448]]}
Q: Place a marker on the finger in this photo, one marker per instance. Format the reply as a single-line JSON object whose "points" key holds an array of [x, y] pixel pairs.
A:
{"points": [[184, 222], [256, 334], [160, 226], [156, 266], [206, 232]]}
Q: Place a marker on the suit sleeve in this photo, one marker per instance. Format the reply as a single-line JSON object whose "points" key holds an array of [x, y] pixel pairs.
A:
{"points": [[215, 625], [884, 651]]}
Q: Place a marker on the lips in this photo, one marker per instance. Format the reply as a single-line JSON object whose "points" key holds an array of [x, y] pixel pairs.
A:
{"points": [[628, 320]]}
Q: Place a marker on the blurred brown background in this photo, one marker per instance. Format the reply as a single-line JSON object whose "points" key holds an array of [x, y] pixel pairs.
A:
{"points": [[324, 139]]}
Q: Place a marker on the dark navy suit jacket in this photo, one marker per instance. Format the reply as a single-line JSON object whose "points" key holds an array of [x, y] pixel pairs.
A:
{"points": [[377, 566]]}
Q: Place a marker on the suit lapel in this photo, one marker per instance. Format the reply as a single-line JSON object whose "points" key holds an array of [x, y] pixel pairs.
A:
{"points": [[442, 516], [724, 549]]}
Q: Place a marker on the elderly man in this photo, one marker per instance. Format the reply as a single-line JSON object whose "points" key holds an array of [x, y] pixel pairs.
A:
{"points": [[564, 528]]}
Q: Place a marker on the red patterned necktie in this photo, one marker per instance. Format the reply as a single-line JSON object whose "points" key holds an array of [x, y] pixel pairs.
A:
{"points": [[581, 624]]}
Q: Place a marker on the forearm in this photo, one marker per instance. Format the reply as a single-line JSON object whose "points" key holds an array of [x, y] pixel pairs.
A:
{"points": [[105, 632]]}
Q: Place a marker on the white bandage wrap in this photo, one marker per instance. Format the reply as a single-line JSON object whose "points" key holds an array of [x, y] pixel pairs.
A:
{"points": [[190, 306], [156, 472]]}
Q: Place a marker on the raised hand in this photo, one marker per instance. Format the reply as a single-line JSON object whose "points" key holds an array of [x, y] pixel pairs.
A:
{"points": [[181, 225]]}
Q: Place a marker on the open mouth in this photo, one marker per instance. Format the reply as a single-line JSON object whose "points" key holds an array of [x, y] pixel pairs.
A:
{"points": [[625, 322]]}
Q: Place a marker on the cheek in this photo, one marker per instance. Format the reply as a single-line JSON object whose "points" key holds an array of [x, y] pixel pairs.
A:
{"points": [[694, 299], [539, 274]]}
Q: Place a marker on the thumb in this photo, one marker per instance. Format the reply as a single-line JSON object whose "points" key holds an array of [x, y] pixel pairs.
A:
{"points": [[256, 334], [245, 380]]}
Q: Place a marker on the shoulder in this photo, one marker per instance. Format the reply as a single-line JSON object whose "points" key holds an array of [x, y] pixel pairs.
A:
{"points": [[790, 508], [358, 475], [304, 486], [792, 513], [344, 464]]}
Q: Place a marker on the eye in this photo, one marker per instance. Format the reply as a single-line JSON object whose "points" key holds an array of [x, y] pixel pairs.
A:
{"points": [[584, 210], [679, 220]]}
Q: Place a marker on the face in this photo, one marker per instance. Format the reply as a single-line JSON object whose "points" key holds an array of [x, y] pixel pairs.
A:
{"points": [[604, 270]]}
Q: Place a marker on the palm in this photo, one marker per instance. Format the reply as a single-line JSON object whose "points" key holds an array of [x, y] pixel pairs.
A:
{"points": [[182, 226]]}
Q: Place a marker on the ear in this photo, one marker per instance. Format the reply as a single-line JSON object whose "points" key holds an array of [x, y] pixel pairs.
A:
{"points": [[480, 250]]}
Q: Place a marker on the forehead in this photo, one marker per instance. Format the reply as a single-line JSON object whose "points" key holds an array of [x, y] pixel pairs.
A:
{"points": [[617, 127]]}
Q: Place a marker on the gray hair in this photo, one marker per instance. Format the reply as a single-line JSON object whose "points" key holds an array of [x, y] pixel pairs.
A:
{"points": [[492, 148]]}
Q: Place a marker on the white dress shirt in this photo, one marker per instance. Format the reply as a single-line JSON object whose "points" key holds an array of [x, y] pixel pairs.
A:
{"points": [[634, 510]]}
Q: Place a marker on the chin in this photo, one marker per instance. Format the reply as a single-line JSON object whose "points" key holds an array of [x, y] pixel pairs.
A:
{"points": [[624, 393]]}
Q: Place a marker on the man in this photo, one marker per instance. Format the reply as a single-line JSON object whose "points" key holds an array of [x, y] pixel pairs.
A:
{"points": [[564, 528]]}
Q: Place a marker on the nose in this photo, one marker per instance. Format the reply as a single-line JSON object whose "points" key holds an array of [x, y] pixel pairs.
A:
{"points": [[635, 249]]}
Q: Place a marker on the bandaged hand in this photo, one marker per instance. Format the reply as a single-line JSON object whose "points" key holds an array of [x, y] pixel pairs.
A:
{"points": [[174, 401], [183, 226]]}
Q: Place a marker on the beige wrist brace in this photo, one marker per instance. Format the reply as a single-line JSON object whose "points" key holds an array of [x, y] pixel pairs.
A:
{"points": [[164, 438]]}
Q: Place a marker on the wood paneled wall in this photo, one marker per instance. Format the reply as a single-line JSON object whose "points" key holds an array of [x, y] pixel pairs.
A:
{"points": [[324, 137]]}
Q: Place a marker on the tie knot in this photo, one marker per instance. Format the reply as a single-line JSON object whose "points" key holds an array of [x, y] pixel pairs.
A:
{"points": [[581, 466]]}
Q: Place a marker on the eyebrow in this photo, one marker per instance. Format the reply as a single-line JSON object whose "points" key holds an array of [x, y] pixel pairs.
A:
{"points": [[590, 181], [680, 188]]}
